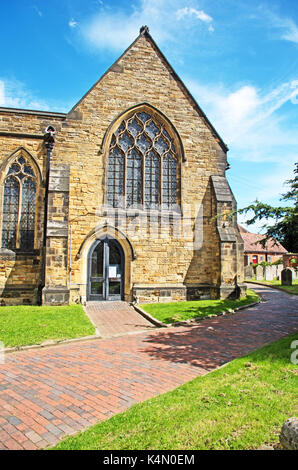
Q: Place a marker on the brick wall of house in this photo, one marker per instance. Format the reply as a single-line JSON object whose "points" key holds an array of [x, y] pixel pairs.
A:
{"points": [[261, 257]]}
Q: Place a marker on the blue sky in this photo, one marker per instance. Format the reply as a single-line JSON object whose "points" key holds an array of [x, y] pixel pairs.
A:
{"points": [[239, 59]]}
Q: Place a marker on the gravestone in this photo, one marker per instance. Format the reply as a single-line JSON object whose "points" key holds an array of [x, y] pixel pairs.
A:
{"points": [[274, 270], [279, 269], [289, 434], [259, 273], [268, 273], [294, 277], [286, 277], [248, 272]]}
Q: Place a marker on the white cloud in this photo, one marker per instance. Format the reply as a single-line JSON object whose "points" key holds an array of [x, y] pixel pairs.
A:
{"points": [[13, 94], [248, 118], [291, 33], [254, 125], [4, 99], [287, 26], [115, 29], [72, 23], [37, 11], [199, 14]]}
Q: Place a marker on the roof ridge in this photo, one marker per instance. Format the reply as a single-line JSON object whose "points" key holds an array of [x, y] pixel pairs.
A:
{"points": [[144, 32]]}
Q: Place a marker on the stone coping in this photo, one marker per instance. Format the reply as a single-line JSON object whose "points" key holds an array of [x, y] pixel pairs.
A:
{"points": [[153, 320], [53, 114], [149, 317], [160, 324], [50, 342]]}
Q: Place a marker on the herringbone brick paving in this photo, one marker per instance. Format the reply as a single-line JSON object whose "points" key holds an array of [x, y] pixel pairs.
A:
{"points": [[52, 392]]}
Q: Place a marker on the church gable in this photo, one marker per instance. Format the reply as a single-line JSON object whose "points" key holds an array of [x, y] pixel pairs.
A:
{"points": [[126, 208], [143, 74]]}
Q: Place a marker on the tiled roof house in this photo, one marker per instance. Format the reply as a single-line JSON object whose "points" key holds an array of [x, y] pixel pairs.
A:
{"points": [[255, 252]]}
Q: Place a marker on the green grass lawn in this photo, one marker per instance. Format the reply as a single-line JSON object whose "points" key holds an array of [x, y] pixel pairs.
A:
{"points": [[179, 311], [275, 282], [25, 325], [240, 406]]}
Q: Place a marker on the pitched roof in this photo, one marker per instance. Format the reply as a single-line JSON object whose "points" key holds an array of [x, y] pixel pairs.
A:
{"points": [[251, 243], [144, 32]]}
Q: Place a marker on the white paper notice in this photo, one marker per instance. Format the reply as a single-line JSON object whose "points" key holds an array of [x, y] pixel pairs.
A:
{"points": [[112, 271]]}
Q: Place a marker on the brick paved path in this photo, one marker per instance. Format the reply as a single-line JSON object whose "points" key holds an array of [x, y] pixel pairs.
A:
{"points": [[116, 318], [48, 393]]}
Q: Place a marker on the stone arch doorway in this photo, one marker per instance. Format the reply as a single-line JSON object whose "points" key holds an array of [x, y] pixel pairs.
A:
{"points": [[105, 270]]}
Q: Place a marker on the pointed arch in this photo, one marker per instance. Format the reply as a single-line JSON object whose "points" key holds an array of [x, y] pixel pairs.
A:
{"points": [[137, 146], [128, 250], [20, 179], [106, 229], [20, 151], [151, 110]]}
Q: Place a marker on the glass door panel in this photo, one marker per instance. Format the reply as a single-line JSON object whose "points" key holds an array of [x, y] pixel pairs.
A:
{"points": [[115, 271], [96, 287], [114, 288], [97, 261], [106, 271], [96, 280]]}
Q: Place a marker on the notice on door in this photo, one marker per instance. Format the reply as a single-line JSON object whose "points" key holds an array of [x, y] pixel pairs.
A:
{"points": [[112, 271]]}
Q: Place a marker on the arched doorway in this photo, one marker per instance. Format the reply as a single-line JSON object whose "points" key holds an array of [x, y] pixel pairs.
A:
{"points": [[105, 270]]}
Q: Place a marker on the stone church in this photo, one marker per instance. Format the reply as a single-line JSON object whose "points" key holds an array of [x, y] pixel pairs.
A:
{"points": [[123, 197]]}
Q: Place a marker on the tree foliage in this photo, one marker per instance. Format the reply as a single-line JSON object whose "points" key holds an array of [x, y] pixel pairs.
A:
{"points": [[285, 226]]}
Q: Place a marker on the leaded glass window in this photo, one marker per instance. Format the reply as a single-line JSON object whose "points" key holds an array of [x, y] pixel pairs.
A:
{"points": [[115, 177], [10, 212], [142, 165], [169, 183], [19, 200], [152, 169], [133, 179]]}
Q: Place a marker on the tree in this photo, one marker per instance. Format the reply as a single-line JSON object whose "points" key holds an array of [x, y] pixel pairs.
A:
{"points": [[285, 227]]}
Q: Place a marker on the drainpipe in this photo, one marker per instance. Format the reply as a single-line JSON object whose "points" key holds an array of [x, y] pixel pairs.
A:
{"points": [[69, 262], [48, 142]]}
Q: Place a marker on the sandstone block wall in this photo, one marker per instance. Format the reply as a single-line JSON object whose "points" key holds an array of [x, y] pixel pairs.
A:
{"points": [[166, 266]]}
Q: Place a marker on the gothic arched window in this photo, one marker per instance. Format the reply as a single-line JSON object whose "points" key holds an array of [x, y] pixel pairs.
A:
{"points": [[19, 200], [142, 165]]}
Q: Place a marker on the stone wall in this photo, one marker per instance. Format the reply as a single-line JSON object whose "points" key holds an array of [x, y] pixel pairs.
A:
{"points": [[21, 133], [20, 275], [185, 267], [56, 290]]}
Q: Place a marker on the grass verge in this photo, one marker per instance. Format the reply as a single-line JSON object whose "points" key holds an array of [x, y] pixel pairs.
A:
{"points": [[180, 311], [292, 288], [240, 406], [26, 325]]}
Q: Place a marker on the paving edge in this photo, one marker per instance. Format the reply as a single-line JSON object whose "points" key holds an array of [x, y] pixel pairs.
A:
{"points": [[50, 343], [271, 287], [97, 332], [148, 317], [191, 320]]}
